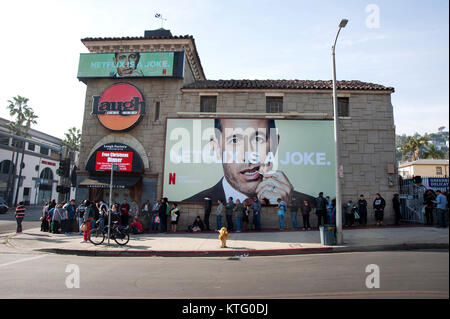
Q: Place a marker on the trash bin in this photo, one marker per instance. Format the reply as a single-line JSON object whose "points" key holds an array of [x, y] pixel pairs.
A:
{"points": [[327, 235]]}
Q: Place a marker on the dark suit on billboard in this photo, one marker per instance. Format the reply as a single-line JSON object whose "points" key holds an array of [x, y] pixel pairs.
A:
{"points": [[217, 192]]}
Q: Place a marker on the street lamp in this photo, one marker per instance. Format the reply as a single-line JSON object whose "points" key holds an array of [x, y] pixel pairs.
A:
{"points": [[339, 234]]}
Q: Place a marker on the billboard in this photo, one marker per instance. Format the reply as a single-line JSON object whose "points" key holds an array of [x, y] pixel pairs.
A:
{"points": [[130, 64], [244, 158]]}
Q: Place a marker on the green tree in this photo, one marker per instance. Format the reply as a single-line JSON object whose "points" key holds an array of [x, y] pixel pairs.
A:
{"points": [[72, 139], [412, 146], [24, 118], [433, 153]]}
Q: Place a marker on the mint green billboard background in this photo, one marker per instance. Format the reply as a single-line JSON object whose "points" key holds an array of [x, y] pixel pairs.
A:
{"points": [[103, 64], [313, 137]]}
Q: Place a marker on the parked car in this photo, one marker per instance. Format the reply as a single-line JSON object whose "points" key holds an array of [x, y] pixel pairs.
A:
{"points": [[3, 206]]}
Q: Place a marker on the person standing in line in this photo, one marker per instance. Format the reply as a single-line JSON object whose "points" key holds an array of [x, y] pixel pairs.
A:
{"points": [[378, 205], [174, 216], [71, 221], [208, 204], [329, 210], [362, 209], [294, 205], [229, 208], [306, 210], [281, 212], [256, 206], [63, 217], [80, 214], [124, 212], [429, 197], [348, 213], [19, 215], [396, 207], [219, 214], [163, 215], [57, 217], [321, 209], [44, 225], [145, 211], [155, 213], [88, 218], [441, 206], [333, 212], [239, 209], [246, 212], [103, 214]]}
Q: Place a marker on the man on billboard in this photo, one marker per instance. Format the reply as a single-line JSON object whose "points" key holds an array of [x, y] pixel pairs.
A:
{"points": [[126, 64], [254, 142]]}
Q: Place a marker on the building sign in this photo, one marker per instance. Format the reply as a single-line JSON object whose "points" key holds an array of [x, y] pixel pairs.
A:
{"points": [[130, 64], [119, 154], [105, 159], [244, 158], [438, 182], [119, 107]]}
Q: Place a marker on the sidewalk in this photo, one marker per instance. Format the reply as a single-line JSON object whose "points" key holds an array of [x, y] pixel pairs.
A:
{"points": [[183, 244]]}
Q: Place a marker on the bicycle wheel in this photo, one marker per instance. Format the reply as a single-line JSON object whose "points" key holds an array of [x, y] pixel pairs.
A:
{"points": [[121, 237], [96, 236]]}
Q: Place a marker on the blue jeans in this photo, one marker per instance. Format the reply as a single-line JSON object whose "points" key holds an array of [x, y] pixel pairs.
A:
{"points": [[154, 226], [218, 222], [281, 218], [257, 220], [239, 224], [441, 214], [230, 222], [102, 223], [294, 220]]}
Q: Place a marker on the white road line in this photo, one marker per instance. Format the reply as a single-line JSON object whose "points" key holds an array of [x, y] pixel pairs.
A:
{"points": [[22, 260]]}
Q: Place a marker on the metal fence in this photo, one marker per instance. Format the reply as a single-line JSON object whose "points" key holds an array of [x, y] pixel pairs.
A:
{"points": [[412, 197]]}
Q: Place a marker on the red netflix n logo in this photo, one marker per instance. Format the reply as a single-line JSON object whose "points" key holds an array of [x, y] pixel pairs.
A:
{"points": [[172, 178]]}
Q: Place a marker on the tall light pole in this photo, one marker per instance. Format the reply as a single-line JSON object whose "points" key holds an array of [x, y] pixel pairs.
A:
{"points": [[339, 234]]}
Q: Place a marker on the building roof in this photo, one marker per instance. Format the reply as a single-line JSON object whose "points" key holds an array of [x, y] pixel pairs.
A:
{"points": [[425, 162], [287, 84]]}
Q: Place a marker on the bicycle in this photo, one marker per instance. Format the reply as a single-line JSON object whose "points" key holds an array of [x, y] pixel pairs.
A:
{"points": [[118, 233]]}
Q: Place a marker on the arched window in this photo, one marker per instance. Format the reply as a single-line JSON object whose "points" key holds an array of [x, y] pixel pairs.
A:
{"points": [[47, 173], [6, 167]]}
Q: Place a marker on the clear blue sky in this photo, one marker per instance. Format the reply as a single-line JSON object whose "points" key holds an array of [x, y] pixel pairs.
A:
{"points": [[245, 39]]}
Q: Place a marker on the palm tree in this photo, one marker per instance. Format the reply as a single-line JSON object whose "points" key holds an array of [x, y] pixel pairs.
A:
{"points": [[433, 153], [413, 144], [25, 117], [72, 139]]}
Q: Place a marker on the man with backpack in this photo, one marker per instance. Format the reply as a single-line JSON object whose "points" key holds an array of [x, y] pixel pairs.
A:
{"points": [[321, 209]]}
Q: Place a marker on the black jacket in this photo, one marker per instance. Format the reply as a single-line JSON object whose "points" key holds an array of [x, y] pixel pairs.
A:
{"points": [[379, 204]]}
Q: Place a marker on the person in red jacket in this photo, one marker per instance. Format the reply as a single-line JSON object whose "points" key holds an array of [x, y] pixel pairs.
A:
{"points": [[19, 215], [124, 210], [136, 226]]}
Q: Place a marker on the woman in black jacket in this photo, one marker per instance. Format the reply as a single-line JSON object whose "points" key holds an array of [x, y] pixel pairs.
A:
{"points": [[378, 205], [163, 215]]}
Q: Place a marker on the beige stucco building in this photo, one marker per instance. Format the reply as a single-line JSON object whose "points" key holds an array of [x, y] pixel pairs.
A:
{"points": [[424, 168], [367, 132]]}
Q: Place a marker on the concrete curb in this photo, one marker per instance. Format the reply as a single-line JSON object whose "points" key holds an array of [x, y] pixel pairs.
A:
{"points": [[249, 252]]}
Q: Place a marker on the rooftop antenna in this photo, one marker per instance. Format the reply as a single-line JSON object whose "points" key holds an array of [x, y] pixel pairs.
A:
{"points": [[159, 16]]}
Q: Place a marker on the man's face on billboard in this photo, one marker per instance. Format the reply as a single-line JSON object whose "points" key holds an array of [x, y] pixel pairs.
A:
{"points": [[126, 63], [249, 140]]}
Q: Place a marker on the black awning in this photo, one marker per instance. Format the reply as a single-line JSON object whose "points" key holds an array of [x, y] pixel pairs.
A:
{"points": [[103, 181]]}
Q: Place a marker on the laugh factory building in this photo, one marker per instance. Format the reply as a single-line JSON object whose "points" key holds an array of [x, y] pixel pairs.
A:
{"points": [[173, 133]]}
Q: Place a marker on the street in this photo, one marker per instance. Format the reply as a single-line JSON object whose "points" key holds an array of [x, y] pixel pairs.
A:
{"points": [[8, 223], [403, 274]]}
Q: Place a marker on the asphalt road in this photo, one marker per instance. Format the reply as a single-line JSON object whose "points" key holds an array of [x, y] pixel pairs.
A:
{"points": [[8, 223], [408, 274]]}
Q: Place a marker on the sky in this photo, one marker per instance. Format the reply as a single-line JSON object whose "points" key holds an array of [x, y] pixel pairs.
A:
{"points": [[403, 44]]}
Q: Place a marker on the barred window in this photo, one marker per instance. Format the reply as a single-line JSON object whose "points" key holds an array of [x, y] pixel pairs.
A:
{"points": [[343, 106], [208, 104], [438, 170], [274, 104]]}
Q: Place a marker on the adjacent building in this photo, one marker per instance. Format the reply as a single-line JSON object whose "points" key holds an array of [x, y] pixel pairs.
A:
{"points": [[150, 110]]}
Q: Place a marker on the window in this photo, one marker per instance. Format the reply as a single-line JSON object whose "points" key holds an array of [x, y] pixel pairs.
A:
{"points": [[274, 104], [438, 170], [31, 146], [6, 167], [17, 143], [157, 106], [343, 108], [4, 140], [208, 103], [44, 150]]}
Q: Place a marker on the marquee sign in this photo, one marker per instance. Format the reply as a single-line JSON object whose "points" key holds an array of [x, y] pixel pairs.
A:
{"points": [[119, 107], [119, 154]]}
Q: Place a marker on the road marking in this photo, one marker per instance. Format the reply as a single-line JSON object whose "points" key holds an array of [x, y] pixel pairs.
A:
{"points": [[22, 260]]}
